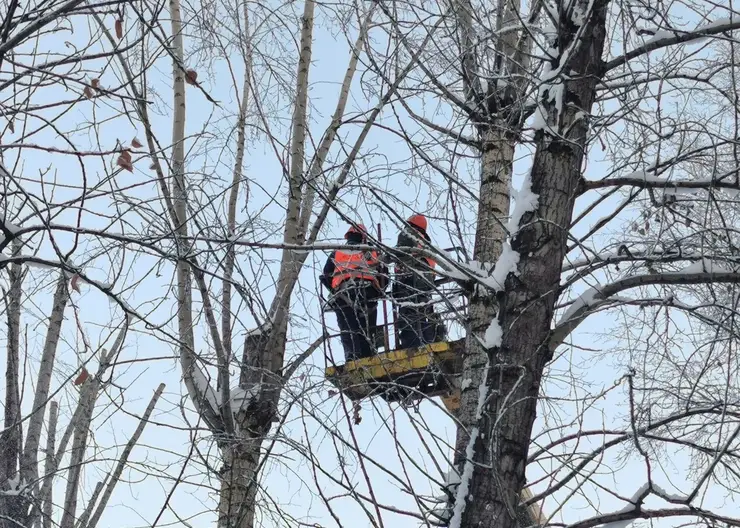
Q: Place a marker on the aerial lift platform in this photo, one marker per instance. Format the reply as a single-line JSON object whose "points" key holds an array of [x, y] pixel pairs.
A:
{"points": [[404, 375], [412, 374]]}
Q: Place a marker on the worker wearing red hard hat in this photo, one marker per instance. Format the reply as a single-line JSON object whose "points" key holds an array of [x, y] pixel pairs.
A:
{"points": [[418, 323], [419, 222], [356, 278]]}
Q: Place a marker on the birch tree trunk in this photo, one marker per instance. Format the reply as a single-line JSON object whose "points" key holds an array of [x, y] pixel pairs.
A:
{"points": [[179, 194], [263, 360], [495, 441]]}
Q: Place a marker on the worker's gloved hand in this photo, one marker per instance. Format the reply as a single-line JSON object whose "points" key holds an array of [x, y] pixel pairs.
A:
{"points": [[468, 286], [325, 281]]}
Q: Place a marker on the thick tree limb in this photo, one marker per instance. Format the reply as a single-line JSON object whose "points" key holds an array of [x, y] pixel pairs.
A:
{"points": [[598, 297], [677, 37]]}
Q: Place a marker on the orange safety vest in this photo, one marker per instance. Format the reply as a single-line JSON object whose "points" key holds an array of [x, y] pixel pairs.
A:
{"points": [[429, 260], [354, 264]]}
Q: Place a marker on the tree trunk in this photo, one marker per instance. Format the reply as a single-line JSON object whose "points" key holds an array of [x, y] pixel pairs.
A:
{"points": [[497, 162], [239, 483], [12, 506], [502, 431]]}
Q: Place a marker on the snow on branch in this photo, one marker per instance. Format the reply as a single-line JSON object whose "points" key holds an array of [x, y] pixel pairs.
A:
{"points": [[584, 301], [645, 180], [634, 510], [705, 265], [624, 519], [29, 260], [7, 229], [702, 272], [203, 395], [664, 39]]}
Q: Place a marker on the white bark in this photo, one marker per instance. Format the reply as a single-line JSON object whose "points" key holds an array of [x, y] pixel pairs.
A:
{"points": [[46, 495], [180, 210], [88, 395], [290, 265], [327, 140], [241, 141], [29, 464]]}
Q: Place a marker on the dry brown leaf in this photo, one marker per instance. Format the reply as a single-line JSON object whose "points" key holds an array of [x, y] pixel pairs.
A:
{"points": [[82, 377], [125, 154], [75, 283], [95, 83], [331, 393], [125, 163], [11, 126], [357, 419], [153, 166], [88, 92], [119, 28], [191, 77], [136, 143]]}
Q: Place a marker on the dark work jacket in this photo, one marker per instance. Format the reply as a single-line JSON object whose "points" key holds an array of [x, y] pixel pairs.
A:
{"points": [[413, 278]]}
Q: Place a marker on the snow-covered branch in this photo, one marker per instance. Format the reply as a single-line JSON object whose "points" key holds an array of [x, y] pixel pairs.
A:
{"points": [[204, 397], [701, 272], [622, 519], [646, 181], [664, 39]]}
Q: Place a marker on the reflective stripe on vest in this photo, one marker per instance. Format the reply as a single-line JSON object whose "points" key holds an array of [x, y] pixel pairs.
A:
{"points": [[352, 264]]}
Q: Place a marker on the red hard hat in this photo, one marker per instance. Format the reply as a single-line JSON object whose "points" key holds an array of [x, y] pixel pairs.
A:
{"points": [[419, 221], [360, 228]]}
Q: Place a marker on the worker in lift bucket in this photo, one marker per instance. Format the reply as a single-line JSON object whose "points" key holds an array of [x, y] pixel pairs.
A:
{"points": [[413, 286], [356, 279]]}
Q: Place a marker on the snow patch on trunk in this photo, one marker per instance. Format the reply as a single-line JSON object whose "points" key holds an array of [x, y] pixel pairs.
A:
{"points": [[7, 227], [524, 202], [467, 474], [264, 328], [494, 275], [493, 335], [241, 398], [507, 263], [14, 485]]}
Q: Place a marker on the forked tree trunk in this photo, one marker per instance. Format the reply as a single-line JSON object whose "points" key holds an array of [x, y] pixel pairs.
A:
{"points": [[527, 304]]}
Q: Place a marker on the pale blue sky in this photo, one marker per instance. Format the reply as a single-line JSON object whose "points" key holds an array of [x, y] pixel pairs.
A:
{"points": [[137, 504]]}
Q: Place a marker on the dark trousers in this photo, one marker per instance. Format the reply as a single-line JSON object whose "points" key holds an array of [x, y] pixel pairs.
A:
{"points": [[419, 325], [357, 314]]}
